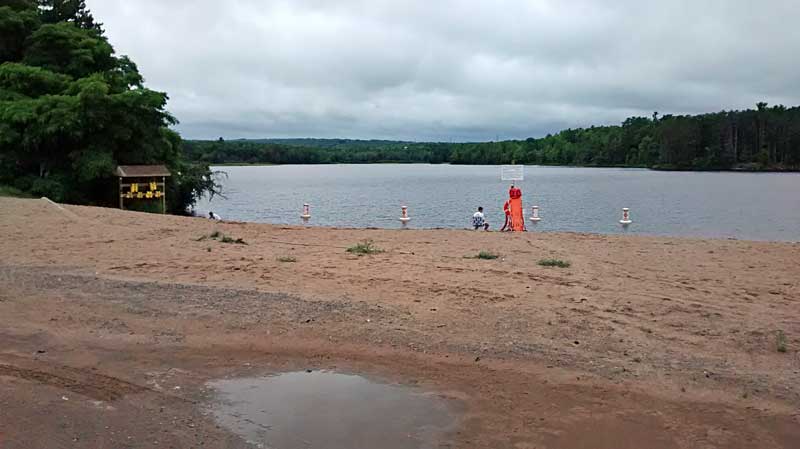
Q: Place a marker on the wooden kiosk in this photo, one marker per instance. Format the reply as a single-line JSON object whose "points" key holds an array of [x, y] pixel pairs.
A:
{"points": [[143, 182]]}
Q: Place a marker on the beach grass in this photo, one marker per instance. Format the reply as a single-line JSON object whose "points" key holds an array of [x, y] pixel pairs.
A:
{"points": [[229, 239], [555, 263], [222, 238], [780, 338], [484, 255], [364, 248], [487, 255]]}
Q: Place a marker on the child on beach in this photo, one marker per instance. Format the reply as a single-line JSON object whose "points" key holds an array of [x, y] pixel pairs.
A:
{"points": [[479, 220], [507, 211]]}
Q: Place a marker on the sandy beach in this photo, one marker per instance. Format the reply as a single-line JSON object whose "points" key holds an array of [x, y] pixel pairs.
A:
{"points": [[643, 342]]}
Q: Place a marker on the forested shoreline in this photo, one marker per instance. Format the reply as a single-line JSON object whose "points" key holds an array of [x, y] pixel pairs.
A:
{"points": [[72, 110], [765, 138]]}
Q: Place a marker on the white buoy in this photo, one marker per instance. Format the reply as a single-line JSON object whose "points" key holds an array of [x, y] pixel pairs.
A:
{"points": [[626, 217], [405, 218], [306, 212], [535, 214]]}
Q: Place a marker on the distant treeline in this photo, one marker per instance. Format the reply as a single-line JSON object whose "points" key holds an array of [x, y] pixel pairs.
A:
{"points": [[760, 139]]}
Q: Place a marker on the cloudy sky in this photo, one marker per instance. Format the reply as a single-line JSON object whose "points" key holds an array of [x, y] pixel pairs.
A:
{"points": [[452, 70]]}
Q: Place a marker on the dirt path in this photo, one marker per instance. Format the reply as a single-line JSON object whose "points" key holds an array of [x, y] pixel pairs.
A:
{"points": [[643, 342]]}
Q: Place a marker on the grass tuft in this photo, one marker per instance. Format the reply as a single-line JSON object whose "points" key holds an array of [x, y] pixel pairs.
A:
{"points": [[555, 263], [780, 338], [487, 255], [287, 259], [222, 238], [365, 247], [229, 239]]}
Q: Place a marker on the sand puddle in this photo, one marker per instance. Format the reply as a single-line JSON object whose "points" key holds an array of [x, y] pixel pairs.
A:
{"points": [[326, 410]]}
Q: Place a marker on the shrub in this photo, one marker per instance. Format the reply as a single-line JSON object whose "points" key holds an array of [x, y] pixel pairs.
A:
{"points": [[49, 188], [13, 192]]}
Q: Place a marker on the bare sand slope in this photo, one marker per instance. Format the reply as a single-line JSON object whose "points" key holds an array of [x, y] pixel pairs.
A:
{"points": [[643, 342]]}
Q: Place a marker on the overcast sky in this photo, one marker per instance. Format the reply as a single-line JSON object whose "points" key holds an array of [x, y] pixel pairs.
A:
{"points": [[452, 69]]}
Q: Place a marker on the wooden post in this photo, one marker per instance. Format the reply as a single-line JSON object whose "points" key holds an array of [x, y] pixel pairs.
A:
{"points": [[121, 206], [164, 195]]}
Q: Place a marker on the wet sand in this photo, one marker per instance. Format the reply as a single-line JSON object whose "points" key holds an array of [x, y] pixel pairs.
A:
{"points": [[642, 343]]}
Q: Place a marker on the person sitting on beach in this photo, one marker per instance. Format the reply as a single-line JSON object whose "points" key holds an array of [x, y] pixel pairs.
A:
{"points": [[214, 216], [479, 220]]}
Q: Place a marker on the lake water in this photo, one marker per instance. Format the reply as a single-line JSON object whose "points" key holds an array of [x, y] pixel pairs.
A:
{"points": [[757, 206]]}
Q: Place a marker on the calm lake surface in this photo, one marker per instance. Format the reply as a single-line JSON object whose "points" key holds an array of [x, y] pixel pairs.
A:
{"points": [[756, 206]]}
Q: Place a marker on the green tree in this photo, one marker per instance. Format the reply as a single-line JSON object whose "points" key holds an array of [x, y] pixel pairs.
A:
{"points": [[18, 19], [71, 110], [71, 11]]}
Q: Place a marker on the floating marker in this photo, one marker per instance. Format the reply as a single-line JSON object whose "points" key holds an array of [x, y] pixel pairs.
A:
{"points": [[535, 214], [626, 217], [306, 212], [405, 218]]}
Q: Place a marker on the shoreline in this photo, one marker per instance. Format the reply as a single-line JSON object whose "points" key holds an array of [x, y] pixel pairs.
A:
{"points": [[410, 228], [653, 168]]}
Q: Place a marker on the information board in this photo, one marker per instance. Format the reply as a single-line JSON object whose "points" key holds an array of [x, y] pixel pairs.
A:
{"points": [[512, 173]]}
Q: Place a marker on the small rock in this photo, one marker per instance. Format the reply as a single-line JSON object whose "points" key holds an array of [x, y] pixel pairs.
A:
{"points": [[478, 359]]}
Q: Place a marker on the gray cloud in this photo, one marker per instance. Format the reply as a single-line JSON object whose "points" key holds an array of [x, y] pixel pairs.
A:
{"points": [[450, 69]]}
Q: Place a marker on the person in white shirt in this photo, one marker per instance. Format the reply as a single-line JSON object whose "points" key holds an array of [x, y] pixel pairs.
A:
{"points": [[214, 216], [479, 220]]}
